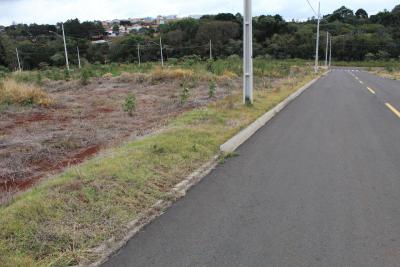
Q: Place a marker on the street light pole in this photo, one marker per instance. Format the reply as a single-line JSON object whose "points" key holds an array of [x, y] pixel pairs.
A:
{"points": [[317, 45], [19, 62], [330, 51], [248, 53], [79, 57], [326, 49], [65, 47], [211, 50], [161, 49], [138, 54]]}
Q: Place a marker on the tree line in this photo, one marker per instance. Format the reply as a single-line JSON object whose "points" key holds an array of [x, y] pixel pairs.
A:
{"points": [[355, 35]]}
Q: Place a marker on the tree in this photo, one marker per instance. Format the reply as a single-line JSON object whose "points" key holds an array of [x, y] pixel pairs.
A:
{"points": [[396, 10], [115, 29], [226, 17], [342, 14], [361, 14]]}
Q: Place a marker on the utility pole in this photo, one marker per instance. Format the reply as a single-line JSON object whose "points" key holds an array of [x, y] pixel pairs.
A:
{"points": [[330, 51], [211, 57], [161, 49], [138, 53], [79, 57], [19, 62], [248, 53], [65, 47], [317, 45], [326, 49]]}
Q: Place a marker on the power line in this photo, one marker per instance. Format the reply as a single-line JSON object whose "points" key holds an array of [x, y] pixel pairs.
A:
{"points": [[308, 1]]}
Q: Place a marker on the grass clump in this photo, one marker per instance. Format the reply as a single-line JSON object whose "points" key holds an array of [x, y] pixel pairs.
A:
{"points": [[130, 104], [212, 88], [185, 93], [14, 93]]}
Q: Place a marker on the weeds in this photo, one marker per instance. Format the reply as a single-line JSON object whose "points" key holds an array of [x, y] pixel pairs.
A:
{"points": [[185, 93], [85, 76], [212, 87], [12, 92], [130, 104]]}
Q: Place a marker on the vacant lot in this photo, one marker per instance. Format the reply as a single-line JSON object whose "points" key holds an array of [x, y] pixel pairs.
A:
{"points": [[37, 141], [62, 220]]}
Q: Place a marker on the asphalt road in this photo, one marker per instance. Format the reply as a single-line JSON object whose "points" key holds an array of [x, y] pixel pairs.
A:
{"points": [[318, 186]]}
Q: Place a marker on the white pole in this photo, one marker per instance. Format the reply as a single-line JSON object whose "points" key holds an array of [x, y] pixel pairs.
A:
{"points": [[326, 49], [317, 45], [65, 47], [138, 53], [211, 57], [19, 62], [162, 56], [330, 51], [79, 58], [248, 53]]}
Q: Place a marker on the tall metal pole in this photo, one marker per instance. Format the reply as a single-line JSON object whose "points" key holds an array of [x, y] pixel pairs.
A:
{"points": [[326, 49], [79, 57], [211, 57], [19, 62], [162, 56], [317, 45], [65, 47], [138, 54], [248, 53], [330, 51]]}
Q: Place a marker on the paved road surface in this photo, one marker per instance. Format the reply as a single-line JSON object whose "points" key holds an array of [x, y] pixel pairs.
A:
{"points": [[318, 186]]}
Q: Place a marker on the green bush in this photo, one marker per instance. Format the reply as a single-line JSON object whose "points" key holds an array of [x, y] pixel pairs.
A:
{"points": [[185, 93], [130, 104], [212, 88], [85, 76]]}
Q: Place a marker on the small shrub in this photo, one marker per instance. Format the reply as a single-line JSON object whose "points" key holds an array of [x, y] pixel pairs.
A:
{"points": [[130, 104], [185, 93], [85, 77], [156, 149], [39, 79], [67, 75], [173, 61], [212, 87]]}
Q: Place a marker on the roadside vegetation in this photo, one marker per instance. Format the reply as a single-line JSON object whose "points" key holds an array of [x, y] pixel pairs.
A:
{"points": [[23, 94], [61, 220]]}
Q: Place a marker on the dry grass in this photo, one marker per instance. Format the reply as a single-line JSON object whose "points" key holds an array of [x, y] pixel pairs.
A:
{"points": [[395, 75], [12, 92], [164, 74]]}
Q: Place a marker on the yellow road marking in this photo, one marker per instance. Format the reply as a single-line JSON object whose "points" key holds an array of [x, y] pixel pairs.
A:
{"points": [[393, 109], [372, 91]]}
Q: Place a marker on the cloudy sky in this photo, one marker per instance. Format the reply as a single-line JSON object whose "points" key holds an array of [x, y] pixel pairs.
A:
{"points": [[52, 11]]}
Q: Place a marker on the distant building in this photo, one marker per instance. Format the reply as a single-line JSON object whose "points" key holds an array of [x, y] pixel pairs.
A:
{"points": [[195, 16], [99, 42]]}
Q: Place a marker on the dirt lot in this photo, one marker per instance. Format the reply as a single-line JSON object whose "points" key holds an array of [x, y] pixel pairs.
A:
{"points": [[37, 142]]}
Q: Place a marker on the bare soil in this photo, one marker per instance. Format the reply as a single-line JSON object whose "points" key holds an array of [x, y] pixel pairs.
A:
{"points": [[38, 142]]}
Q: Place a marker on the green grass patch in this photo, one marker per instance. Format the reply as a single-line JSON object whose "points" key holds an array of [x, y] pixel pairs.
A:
{"points": [[60, 221]]}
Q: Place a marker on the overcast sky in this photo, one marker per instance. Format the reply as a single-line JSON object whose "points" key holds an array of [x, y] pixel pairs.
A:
{"points": [[52, 11]]}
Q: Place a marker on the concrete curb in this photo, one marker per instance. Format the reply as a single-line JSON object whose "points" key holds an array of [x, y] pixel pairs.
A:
{"points": [[112, 246], [232, 144]]}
